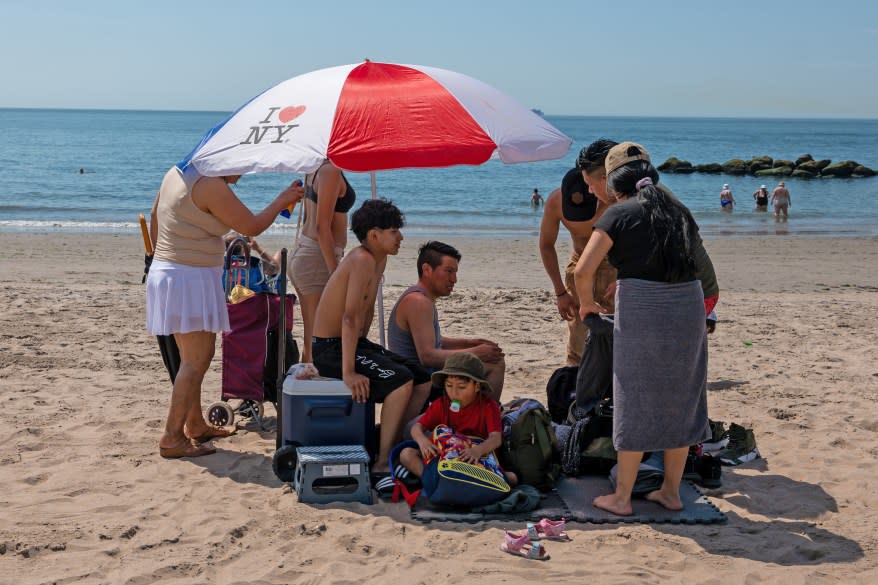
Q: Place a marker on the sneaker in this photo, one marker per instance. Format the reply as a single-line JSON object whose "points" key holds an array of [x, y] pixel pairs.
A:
{"points": [[741, 447], [719, 437], [717, 430]]}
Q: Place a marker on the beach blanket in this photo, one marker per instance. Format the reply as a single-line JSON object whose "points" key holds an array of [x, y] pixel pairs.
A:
{"points": [[659, 366], [578, 493], [571, 499]]}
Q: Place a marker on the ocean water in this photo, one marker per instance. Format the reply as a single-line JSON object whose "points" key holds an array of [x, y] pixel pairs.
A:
{"points": [[125, 154]]}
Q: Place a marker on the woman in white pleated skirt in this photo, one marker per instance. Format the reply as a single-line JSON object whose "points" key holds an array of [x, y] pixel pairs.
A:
{"points": [[184, 292]]}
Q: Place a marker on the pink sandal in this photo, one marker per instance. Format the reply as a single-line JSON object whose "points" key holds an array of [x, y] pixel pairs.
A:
{"points": [[522, 546], [547, 529]]}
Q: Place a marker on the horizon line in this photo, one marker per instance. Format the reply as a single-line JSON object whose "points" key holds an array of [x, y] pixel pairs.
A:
{"points": [[544, 114]]}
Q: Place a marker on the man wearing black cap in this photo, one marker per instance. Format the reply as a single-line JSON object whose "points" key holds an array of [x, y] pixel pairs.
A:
{"points": [[578, 204]]}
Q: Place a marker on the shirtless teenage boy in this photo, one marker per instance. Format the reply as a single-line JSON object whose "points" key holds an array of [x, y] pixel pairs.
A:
{"points": [[342, 320], [578, 204]]}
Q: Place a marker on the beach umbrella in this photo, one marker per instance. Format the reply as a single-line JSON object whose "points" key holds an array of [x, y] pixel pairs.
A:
{"points": [[369, 117]]}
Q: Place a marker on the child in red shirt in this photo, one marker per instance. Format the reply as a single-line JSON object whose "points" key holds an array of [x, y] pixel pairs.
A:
{"points": [[465, 408]]}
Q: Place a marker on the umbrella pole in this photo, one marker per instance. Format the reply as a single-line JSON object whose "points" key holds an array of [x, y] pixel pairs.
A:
{"points": [[380, 300], [281, 350]]}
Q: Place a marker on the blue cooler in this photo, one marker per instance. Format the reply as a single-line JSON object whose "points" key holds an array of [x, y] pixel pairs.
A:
{"points": [[321, 411]]}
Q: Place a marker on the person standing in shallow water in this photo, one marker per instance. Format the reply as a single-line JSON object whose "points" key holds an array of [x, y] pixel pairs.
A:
{"points": [[726, 200], [760, 196], [781, 200], [536, 199]]}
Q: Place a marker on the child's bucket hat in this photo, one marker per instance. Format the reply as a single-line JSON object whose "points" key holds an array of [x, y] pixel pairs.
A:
{"points": [[465, 365]]}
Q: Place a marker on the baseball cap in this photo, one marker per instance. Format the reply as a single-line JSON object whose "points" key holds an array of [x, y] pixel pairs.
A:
{"points": [[624, 153], [577, 203]]}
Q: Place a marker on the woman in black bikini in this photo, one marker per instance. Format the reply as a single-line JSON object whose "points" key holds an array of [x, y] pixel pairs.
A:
{"points": [[328, 198]]}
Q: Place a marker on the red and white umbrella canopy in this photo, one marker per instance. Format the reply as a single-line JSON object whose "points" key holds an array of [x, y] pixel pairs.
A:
{"points": [[376, 116]]}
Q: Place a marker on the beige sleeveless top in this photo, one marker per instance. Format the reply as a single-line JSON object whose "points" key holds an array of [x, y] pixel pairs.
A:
{"points": [[186, 235]]}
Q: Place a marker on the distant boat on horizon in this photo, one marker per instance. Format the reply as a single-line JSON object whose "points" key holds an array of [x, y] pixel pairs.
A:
{"points": [[537, 111]]}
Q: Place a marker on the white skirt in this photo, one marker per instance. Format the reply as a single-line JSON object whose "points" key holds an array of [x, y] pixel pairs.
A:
{"points": [[183, 299]]}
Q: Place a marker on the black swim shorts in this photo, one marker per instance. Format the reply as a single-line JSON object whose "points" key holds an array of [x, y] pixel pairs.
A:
{"points": [[386, 370]]}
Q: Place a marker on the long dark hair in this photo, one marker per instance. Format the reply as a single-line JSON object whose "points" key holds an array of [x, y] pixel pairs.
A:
{"points": [[671, 224]]}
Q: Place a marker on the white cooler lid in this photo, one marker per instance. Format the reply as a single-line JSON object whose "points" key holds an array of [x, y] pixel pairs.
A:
{"points": [[315, 386]]}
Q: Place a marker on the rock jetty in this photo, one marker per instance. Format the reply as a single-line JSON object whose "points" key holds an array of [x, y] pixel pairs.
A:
{"points": [[804, 167]]}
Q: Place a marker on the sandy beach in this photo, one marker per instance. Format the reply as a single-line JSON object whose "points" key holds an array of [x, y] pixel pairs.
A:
{"points": [[85, 497]]}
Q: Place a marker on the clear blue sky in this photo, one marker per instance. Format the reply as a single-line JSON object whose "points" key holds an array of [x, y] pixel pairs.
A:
{"points": [[647, 58]]}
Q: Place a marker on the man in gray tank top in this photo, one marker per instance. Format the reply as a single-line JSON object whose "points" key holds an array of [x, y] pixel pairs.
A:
{"points": [[413, 328]]}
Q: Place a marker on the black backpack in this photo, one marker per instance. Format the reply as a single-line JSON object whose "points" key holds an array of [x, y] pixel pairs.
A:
{"points": [[589, 446], [561, 392]]}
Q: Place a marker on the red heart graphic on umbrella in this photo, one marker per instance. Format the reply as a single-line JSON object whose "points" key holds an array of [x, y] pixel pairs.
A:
{"points": [[290, 113]]}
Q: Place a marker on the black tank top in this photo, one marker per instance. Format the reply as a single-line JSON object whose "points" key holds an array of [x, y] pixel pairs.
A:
{"points": [[344, 203]]}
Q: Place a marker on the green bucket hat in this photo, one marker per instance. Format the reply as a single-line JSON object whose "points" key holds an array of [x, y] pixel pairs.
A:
{"points": [[465, 365]]}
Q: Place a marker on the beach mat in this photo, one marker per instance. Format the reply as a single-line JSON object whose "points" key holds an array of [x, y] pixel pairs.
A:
{"points": [[571, 499], [551, 506], [578, 493]]}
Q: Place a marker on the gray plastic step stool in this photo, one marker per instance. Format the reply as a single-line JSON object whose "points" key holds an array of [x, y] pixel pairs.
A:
{"points": [[333, 473]]}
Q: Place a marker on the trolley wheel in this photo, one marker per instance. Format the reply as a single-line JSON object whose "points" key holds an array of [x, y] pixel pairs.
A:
{"points": [[220, 414], [251, 407], [284, 462]]}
